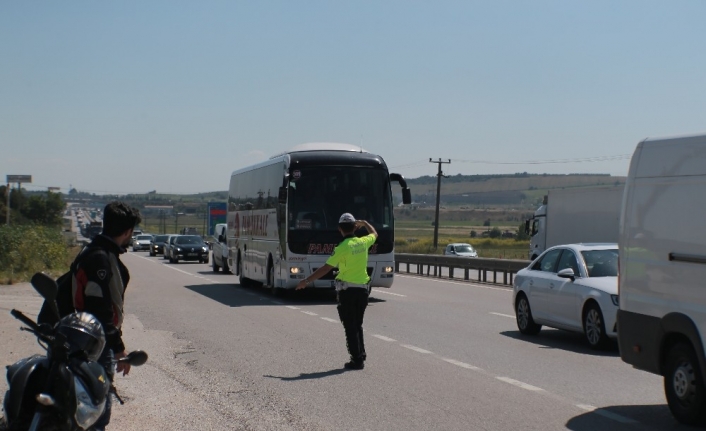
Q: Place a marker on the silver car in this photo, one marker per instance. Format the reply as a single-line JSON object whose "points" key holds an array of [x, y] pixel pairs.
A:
{"points": [[141, 242], [460, 249], [572, 287]]}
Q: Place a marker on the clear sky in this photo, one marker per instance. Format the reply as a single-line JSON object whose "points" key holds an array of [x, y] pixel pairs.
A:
{"points": [[134, 96]]}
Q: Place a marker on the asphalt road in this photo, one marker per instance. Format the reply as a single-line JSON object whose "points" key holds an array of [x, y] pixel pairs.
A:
{"points": [[442, 355]]}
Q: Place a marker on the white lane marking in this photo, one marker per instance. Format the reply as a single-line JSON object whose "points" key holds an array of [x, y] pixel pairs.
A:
{"points": [[177, 269], [310, 313], [503, 315], [467, 283], [389, 293], [415, 348], [519, 384], [292, 307], [142, 257], [607, 414], [383, 338], [328, 319], [461, 364]]}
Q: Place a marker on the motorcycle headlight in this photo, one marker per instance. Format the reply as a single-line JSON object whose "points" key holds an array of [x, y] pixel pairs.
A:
{"points": [[87, 413]]}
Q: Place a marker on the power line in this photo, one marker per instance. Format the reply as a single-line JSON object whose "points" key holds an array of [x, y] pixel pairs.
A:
{"points": [[528, 162]]}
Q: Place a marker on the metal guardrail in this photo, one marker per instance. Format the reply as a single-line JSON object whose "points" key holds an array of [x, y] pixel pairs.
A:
{"points": [[434, 263]]}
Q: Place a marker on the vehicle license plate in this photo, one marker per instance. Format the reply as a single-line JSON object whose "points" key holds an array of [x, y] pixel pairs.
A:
{"points": [[193, 254]]}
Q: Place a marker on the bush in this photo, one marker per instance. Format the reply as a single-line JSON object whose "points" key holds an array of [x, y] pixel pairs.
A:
{"points": [[27, 249]]}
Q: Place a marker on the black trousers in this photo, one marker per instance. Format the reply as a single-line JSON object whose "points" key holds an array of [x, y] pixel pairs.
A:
{"points": [[352, 303]]}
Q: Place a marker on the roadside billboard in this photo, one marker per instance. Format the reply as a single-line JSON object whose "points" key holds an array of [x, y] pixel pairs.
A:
{"points": [[216, 214]]}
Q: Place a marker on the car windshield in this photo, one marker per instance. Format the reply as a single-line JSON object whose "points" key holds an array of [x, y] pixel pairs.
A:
{"points": [[189, 239], [465, 248], [601, 263], [144, 237], [161, 238]]}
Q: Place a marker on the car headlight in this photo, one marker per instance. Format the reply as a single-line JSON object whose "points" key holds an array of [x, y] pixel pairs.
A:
{"points": [[204, 248], [615, 299], [178, 249]]}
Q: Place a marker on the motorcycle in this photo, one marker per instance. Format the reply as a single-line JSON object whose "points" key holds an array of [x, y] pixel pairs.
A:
{"points": [[65, 389]]}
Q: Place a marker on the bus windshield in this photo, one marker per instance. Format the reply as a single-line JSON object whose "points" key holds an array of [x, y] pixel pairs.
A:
{"points": [[318, 195]]}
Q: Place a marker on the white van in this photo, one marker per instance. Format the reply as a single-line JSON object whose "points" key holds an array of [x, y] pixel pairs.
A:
{"points": [[662, 280], [220, 248]]}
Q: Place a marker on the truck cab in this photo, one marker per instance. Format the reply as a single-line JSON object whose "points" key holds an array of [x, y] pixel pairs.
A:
{"points": [[536, 228]]}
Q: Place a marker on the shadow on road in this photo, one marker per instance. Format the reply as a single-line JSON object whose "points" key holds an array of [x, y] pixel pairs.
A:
{"points": [[308, 376], [641, 417], [557, 339], [235, 295]]}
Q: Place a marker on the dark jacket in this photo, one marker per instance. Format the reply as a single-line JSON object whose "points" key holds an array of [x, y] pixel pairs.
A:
{"points": [[98, 287]]}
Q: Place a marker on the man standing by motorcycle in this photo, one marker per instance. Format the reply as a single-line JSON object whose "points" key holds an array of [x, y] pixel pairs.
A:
{"points": [[99, 281]]}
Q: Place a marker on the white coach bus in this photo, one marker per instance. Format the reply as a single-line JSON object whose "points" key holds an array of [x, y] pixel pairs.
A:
{"points": [[283, 214]]}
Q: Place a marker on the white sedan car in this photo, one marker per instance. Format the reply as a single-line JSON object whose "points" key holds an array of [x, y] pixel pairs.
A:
{"points": [[572, 287]]}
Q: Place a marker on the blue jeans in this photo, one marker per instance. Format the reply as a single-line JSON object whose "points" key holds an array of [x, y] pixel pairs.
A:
{"points": [[106, 360]]}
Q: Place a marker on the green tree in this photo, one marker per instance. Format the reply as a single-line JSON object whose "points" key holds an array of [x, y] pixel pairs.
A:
{"points": [[495, 232], [44, 209], [521, 235]]}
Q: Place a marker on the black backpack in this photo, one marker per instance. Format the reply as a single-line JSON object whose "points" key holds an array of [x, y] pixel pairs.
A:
{"points": [[64, 295]]}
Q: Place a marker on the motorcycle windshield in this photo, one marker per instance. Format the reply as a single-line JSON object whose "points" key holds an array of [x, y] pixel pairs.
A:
{"points": [[87, 412]]}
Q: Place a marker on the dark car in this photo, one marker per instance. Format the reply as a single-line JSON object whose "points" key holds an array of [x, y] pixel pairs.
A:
{"points": [[157, 244], [188, 247], [168, 246]]}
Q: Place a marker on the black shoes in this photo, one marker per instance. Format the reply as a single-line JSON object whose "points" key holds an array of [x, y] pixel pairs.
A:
{"points": [[354, 365]]}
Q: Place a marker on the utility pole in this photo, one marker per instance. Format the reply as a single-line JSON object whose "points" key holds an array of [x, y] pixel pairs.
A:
{"points": [[438, 197]]}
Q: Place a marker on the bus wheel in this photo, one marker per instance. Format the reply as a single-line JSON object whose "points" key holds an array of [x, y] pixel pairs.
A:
{"points": [[276, 291], [241, 278]]}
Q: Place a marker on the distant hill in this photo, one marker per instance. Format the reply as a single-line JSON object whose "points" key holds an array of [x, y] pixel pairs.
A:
{"points": [[519, 190]]}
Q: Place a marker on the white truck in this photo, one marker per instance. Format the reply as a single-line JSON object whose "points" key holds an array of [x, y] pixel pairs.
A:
{"points": [[575, 215]]}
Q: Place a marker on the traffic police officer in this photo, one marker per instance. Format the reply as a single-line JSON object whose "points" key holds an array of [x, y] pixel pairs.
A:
{"points": [[352, 281]]}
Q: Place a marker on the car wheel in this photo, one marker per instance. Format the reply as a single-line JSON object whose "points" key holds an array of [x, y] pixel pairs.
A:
{"points": [[226, 267], [683, 385], [523, 315], [215, 266], [152, 254], [594, 327]]}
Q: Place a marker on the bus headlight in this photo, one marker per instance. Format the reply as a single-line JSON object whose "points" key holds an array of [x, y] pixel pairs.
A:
{"points": [[295, 272], [387, 269]]}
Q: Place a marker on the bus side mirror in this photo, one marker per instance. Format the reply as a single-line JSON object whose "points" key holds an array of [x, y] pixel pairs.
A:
{"points": [[282, 197], [527, 226], [406, 196], [406, 193]]}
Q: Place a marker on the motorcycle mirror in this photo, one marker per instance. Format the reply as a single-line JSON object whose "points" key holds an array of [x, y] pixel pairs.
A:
{"points": [[45, 286], [136, 358]]}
